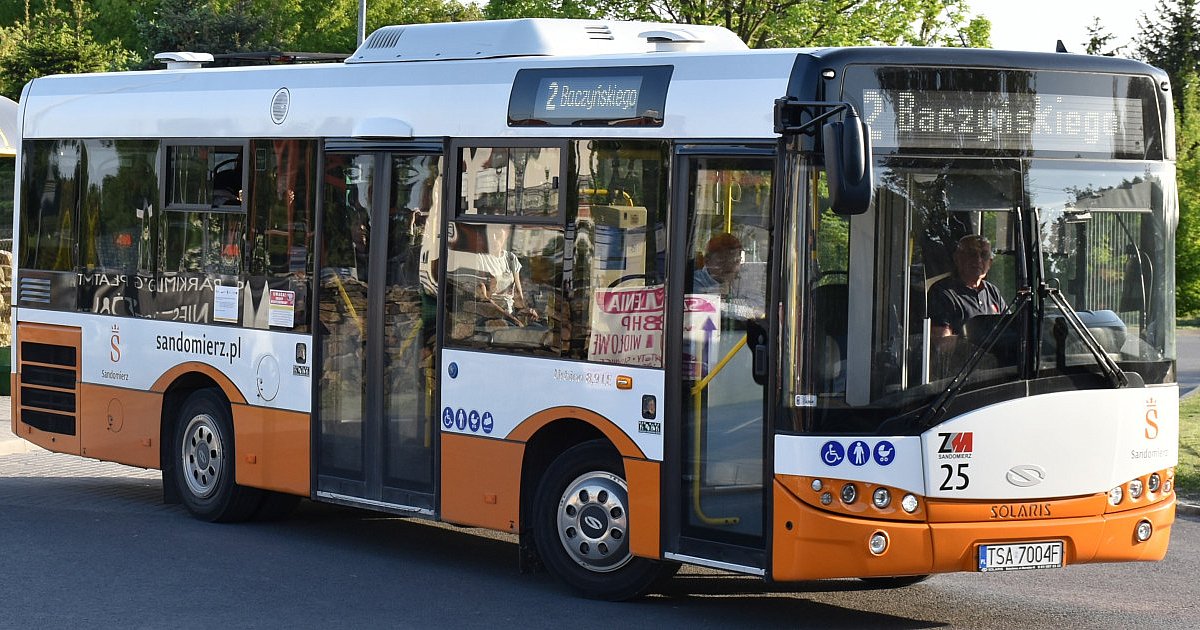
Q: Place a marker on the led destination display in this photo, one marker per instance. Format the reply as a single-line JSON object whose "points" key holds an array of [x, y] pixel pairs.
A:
{"points": [[589, 97], [993, 120], [1007, 112]]}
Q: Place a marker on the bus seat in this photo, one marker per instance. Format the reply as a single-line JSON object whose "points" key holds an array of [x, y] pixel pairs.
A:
{"points": [[830, 304]]}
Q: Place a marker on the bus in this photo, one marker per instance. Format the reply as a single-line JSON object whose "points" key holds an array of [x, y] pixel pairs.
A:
{"points": [[631, 292]]}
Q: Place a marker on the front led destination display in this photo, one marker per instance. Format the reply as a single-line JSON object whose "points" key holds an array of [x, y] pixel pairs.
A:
{"points": [[589, 97], [1004, 122], [996, 112]]}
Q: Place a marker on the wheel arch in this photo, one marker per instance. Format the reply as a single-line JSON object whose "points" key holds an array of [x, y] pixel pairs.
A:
{"points": [[175, 386]]}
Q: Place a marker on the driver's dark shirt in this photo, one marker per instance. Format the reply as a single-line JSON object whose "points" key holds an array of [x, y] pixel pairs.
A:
{"points": [[952, 303]]}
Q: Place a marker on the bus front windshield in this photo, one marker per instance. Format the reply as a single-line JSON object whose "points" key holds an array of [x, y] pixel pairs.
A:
{"points": [[979, 273]]}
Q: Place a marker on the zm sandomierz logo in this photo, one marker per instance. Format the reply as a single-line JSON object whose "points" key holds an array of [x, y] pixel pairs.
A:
{"points": [[1025, 475]]}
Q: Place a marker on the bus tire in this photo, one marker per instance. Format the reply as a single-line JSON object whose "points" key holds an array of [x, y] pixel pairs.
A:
{"points": [[580, 525], [204, 464], [895, 582]]}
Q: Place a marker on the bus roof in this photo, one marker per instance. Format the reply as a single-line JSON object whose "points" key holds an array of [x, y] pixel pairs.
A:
{"points": [[408, 81]]}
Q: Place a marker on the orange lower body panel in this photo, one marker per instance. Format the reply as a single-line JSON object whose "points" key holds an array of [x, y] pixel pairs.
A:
{"points": [[119, 425], [645, 504], [481, 482], [810, 543], [273, 449]]}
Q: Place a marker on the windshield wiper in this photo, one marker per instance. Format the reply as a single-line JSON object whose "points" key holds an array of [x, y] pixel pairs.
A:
{"points": [[1116, 377], [933, 414]]}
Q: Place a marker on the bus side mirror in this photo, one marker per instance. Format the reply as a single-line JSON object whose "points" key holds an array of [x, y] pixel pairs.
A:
{"points": [[848, 164]]}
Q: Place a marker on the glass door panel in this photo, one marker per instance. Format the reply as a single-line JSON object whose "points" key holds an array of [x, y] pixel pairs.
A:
{"points": [[729, 242]]}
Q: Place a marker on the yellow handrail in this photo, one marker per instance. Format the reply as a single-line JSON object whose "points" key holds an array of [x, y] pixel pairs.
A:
{"points": [[698, 414]]}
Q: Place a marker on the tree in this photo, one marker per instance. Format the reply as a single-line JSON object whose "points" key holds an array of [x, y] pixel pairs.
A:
{"points": [[1098, 40], [1187, 247], [54, 41], [772, 23], [1171, 41]]}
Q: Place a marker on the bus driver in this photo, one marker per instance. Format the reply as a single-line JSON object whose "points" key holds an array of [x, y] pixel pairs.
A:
{"points": [[966, 293]]}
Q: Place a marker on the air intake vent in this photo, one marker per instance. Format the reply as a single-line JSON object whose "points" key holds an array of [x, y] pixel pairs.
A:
{"points": [[386, 37], [599, 31], [279, 105], [33, 291], [48, 379]]}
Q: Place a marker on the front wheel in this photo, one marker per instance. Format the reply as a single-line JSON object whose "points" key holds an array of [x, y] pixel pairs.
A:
{"points": [[581, 525], [204, 461]]}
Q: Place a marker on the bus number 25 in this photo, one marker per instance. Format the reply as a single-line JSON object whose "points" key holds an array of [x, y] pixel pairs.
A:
{"points": [[956, 474]]}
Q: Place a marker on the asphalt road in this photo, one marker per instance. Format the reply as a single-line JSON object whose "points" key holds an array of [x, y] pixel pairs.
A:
{"points": [[90, 544]]}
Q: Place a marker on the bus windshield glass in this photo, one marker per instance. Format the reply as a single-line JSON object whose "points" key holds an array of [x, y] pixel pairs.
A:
{"points": [[985, 265]]}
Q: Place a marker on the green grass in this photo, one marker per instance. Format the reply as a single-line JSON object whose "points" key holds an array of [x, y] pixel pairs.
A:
{"points": [[1187, 473]]}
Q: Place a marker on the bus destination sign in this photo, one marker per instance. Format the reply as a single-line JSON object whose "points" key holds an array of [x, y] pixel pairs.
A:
{"points": [[589, 97], [598, 97], [999, 121]]}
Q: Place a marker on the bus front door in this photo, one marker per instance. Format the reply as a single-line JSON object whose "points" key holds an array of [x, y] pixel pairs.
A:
{"points": [[728, 242], [377, 383]]}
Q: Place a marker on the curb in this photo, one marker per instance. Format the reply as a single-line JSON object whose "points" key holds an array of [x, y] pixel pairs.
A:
{"points": [[1187, 509]]}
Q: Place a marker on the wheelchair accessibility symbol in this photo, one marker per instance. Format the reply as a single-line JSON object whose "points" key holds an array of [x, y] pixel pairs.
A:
{"points": [[832, 453]]}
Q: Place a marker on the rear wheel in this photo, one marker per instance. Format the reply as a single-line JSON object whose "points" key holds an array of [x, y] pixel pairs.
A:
{"points": [[581, 525], [204, 464]]}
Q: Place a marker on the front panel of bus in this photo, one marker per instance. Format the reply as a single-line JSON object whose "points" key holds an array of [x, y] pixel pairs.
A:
{"points": [[1041, 429]]}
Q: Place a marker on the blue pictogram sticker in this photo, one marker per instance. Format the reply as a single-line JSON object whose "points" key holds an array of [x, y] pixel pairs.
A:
{"points": [[460, 419], [884, 452], [858, 453], [473, 421], [487, 422], [448, 417], [832, 453], [452, 370]]}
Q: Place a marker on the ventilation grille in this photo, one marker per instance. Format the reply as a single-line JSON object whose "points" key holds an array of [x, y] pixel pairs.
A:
{"points": [[49, 378], [598, 31], [33, 291], [386, 37]]}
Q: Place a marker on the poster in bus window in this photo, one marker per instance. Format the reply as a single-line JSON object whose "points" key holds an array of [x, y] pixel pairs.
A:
{"points": [[701, 333], [627, 326]]}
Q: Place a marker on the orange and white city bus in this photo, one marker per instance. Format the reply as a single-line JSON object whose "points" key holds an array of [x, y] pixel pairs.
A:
{"points": [[631, 291]]}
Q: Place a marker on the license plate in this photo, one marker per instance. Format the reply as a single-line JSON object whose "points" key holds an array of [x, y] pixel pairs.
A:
{"points": [[1017, 556]]}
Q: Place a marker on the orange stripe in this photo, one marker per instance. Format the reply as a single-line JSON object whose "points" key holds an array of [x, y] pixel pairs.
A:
{"points": [[625, 446]]}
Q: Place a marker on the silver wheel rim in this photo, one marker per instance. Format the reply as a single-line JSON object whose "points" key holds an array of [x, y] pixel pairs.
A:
{"points": [[202, 455], [593, 521]]}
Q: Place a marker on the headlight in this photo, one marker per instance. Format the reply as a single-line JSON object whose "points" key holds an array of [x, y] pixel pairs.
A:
{"points": [[909, 503], [1115, 495], [881, 498], [849, 493], [1155, 482], [1135, 489]]}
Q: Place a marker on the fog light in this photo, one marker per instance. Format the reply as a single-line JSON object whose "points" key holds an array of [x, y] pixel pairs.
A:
{"points": [[909, 503], [1143, 531], [881, 498], [826, 498], [849, 493], [817, 485], [1167, 487], [1155, 482], [1115, 495], [878, 543], [1135, 489]]}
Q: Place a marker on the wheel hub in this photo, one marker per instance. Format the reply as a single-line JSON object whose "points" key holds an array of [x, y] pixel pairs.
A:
{"points": [[201, 455], [593, 521]]}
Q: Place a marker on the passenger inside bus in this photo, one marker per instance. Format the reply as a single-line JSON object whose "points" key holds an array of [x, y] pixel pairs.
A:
{"points": [[720, 272]]}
